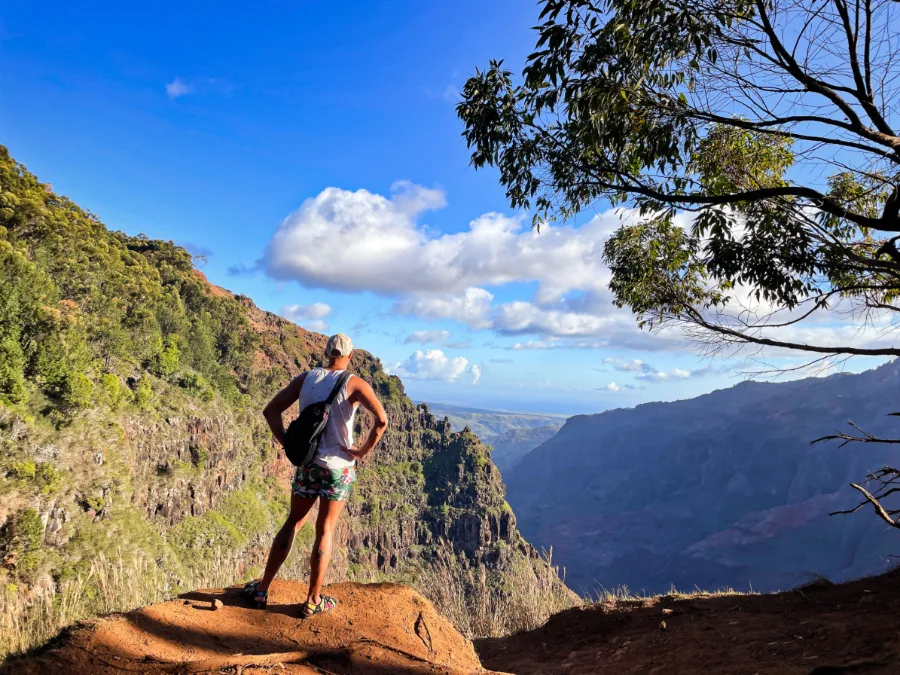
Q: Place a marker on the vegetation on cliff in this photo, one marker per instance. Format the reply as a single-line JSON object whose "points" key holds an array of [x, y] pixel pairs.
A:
{"points": [[130, 391]]}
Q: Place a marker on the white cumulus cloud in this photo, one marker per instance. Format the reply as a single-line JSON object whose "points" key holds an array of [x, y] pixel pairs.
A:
{"points": [[433, 364], [367, 242], [428, 336], [549, 343], [360, 241], [471, 307], [310, 317]]}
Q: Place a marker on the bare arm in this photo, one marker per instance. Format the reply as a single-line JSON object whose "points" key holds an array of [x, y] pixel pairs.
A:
{"points": [[361, 392], [283, 400]]}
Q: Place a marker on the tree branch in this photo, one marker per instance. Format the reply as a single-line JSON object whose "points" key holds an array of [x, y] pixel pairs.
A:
{"points": [[818, 199], [762, 127], [879, 509], [862, 95], [698, 319], [819, 87]]}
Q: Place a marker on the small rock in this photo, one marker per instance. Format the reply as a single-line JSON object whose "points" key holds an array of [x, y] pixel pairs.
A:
{"points": [[217, 604], [186, 602], [662, 625], [668, 612]]}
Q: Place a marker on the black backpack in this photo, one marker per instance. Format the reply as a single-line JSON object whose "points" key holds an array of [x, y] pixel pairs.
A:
{"points": [[303, 435]]}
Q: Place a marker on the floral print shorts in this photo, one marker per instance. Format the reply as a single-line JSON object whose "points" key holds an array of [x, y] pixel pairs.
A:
{"points": [[313, 481]]}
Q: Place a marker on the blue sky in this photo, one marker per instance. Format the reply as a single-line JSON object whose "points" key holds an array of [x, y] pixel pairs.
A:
{"points": [[312, 152]]}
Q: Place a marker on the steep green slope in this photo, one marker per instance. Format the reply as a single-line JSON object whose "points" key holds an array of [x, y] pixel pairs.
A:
{"points": [[130, 398]]}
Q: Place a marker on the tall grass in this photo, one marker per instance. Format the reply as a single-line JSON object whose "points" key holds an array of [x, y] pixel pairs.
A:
{"points": [[28, 620], [478, 605]]}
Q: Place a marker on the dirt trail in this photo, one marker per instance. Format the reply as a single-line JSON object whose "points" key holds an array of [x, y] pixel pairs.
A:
{"points": [[377, 629], [824, 630]]}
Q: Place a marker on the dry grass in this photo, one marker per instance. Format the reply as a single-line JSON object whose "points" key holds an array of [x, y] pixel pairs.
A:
{"points": [[479, 607], [29, 620], [622, 597]]}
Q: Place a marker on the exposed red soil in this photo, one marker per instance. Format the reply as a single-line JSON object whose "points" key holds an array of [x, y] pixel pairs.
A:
{"points": [[817, 630], [376, 629], [387, 628]]}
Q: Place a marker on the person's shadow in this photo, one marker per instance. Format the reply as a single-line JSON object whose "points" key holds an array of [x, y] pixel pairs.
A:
{"points": [[234, 597]]}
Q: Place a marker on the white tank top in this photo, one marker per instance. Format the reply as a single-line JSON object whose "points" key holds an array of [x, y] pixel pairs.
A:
{"points": [[317, 385]]}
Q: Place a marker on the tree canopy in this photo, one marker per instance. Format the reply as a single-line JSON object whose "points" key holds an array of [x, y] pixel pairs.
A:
{"points": [[756, 140]]}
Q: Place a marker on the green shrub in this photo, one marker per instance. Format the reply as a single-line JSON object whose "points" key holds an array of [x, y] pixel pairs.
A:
{"points": [[22, 538], [111, 391], [198, 457], [196, 539], [196, 385], [47, 477], [95, 502], [12, 377], [51, 361], [42, 474], [24, 470], [77, 390], [143, 393], [388, 386], [166, 362], [246, 512]]}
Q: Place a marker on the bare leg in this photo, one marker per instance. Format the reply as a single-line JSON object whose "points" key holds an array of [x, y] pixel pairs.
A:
{"points": [[329, 512], [281, 546]]}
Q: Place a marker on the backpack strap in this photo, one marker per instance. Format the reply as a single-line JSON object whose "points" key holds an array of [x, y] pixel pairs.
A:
{"points": [[342, 380]]}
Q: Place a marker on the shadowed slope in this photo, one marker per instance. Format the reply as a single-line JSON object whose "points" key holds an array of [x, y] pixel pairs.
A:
{"points": [[820, 629]]}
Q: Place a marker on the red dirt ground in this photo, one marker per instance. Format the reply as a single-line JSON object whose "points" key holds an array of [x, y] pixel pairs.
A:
{"points": [[816, 630], [377, 629], [383, 629]]}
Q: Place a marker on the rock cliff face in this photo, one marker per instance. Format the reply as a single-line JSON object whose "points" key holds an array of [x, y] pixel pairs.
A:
{"points": [[424, 488]]}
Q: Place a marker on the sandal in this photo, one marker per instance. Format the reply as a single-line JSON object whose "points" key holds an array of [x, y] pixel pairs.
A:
{"points": [[259, 598], [326, 604]]}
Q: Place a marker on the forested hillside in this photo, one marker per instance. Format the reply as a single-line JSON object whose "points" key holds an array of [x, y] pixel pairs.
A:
{"points": [[720, 490], [130, 426]]}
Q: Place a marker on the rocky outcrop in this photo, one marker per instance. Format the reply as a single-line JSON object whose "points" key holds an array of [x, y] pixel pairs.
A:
{"points": [[378, 628], [183, 465]]}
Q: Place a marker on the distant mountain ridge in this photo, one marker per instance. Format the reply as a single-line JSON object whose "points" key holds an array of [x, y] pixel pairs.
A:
{"points": [[487, 423], [720, 490], [511, 446]]}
